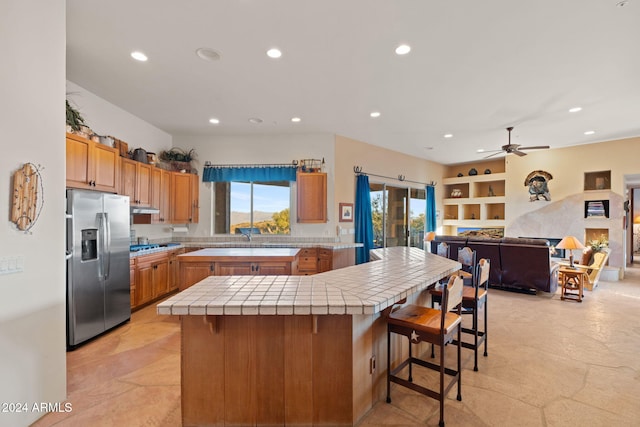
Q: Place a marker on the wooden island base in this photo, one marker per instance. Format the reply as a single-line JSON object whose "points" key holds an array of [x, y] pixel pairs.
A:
{"points": [[279, 370]]}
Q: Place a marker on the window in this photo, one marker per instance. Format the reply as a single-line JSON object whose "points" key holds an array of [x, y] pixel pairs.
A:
{"points": [[258, 207], [398, 215]]}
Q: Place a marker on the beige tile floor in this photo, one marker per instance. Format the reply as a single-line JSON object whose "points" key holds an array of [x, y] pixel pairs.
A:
{"points": [[551, 363]]}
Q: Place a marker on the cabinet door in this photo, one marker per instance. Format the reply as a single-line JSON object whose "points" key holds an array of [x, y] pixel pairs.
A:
{"points": [[132, 282], [156, 187], [193, 272], [308, 261], [235, 268], [311, 197], [272, 268], [144, 283], [165, 197], [160, 278], [181, 200], [325, 258], [128, 179], [195, 198], [78, 166], [106, 168], [174, 271], [143, 184]]}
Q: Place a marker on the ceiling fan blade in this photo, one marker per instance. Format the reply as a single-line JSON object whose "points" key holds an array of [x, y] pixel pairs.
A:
{"points": [[498, 152], [534, 147], [518, 153]]}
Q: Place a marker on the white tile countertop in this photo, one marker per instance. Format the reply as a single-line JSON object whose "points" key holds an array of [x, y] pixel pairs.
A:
{"points": [[360, 289]]}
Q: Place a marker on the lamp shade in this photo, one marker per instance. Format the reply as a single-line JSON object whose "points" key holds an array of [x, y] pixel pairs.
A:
{"points": [[570, 242], [430, 236]]}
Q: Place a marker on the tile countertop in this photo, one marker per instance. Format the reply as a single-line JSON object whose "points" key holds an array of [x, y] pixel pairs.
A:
{"points": [[360, 289]]}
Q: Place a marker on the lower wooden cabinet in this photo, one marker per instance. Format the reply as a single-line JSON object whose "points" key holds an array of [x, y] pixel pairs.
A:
{"points": [[152, 277], [264, 268], [193, 272], [308, 261]]}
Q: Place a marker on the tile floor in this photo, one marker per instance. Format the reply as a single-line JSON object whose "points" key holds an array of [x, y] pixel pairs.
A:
{"points": [[551, 363]]}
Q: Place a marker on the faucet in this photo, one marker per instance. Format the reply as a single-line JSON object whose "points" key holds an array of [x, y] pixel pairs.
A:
{"points": [[247, 235]]}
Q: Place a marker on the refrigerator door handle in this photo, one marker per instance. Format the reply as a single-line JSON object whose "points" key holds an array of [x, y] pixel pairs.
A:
{"points": [[108, 244]]}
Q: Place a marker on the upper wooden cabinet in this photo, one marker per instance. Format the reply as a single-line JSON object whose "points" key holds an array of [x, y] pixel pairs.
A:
{"points": [[312, 197], [161, 195], [91, 165], [136, 182], [185, 198]]}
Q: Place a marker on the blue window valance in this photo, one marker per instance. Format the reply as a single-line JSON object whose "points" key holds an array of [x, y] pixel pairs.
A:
{"points": [[249, 173]]}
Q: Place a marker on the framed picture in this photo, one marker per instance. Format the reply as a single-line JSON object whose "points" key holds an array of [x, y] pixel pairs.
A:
{"points": [[346, 212]]}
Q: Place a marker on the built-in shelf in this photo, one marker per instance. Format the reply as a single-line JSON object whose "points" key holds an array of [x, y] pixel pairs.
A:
{"points": [[481, 201], [600, 180]]}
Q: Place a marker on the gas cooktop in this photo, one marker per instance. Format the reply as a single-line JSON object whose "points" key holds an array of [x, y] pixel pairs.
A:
{"points": [[136, 248]]}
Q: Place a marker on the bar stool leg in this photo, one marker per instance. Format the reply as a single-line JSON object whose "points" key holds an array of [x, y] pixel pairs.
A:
{"points": [[388, 364]]}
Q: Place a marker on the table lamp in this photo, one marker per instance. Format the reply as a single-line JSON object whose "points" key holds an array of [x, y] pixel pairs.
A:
{"points": [[570, 243]]}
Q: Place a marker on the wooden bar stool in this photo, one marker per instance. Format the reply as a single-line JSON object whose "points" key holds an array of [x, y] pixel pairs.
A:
{"points": [[438, 327]]}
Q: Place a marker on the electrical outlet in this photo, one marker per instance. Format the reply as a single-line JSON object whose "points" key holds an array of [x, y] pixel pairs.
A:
{"points": [[12, 264]]}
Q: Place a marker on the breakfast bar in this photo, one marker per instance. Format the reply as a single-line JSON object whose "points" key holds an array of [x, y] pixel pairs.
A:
{"points": [[294, 350]]}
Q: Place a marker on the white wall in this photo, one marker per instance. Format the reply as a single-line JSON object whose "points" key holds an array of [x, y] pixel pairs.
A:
{"points": [[252, 149], [105, 118], [32, 117]]}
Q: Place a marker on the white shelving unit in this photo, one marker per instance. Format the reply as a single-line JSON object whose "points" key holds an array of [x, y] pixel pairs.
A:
{"points": [[476, 207]]}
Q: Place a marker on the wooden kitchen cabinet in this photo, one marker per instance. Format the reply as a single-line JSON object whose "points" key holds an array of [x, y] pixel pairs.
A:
{"points": [[161, 195], [245, 268], [308, 261], [91, 165], [185, 198], [193, 272], [325, 260], [132, 281], [174, 272], [151, 277], [311, 200], [136, 182]]}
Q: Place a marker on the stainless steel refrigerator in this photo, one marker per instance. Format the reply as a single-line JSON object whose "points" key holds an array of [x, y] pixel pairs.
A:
{"points": [[97, 263]]}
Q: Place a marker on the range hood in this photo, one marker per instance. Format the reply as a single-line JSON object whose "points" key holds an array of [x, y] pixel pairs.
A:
{"points": [[140, 210]]}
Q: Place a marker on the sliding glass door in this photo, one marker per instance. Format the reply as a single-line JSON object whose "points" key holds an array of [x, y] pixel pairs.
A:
{"points": [[398, 215]]}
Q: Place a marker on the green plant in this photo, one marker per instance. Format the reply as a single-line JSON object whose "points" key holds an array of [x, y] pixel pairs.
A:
{"points": [[178, 155], [598, 244], [74, 118]]}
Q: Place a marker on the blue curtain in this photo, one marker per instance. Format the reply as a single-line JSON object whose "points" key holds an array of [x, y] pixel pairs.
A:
{"points": [[249, 173], [431, 208], [363, 222]]}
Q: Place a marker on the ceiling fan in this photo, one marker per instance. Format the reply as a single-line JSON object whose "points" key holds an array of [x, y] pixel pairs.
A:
{"points": [[516, 149]]}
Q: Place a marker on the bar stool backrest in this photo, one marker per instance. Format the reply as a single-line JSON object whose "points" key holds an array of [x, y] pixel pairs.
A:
{"points": [[443, 250], [453, 297]]}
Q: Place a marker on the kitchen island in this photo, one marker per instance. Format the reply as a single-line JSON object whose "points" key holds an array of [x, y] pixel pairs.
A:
{"points": [[294, 350]]}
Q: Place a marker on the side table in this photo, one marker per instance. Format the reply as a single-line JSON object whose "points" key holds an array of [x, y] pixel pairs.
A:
{"points": [[572, 280]]}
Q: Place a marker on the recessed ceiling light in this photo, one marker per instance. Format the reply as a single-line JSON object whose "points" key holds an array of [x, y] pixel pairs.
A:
{"points": [[214, 121], [255, 120], [575, 109], [480, 150], [139, 56], [375, 114], [622, 3], [428, 148], [448, 135], [207, 54], [295, 119], [403, 49], [590, 132], [274, 53]]}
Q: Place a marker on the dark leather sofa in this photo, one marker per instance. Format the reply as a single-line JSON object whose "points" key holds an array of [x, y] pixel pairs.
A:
{"points": [[516, 263]]}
